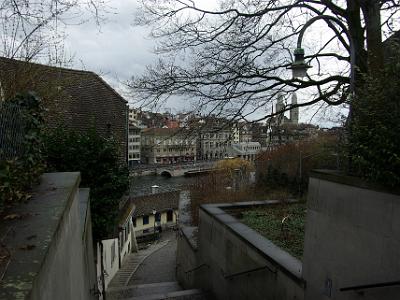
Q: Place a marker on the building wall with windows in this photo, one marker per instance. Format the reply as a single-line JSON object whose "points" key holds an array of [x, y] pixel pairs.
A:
{"points": [[167, 145], [111, 252], [147, 223], [244, 150], [164, 204], [213, 144], [134, 142]]}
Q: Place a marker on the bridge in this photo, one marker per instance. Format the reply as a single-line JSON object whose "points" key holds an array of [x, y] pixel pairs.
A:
{"points": [[173, 170]]}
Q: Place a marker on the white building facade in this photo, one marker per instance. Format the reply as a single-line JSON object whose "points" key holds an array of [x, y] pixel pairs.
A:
{"points": [[134, 144]]}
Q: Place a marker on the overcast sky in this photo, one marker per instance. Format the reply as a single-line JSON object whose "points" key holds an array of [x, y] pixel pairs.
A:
{"points": [[116, 49]]}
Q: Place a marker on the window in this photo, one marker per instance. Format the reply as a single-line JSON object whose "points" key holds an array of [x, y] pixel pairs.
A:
{"points": [[170, 216], [145, 220], [134, 222]]}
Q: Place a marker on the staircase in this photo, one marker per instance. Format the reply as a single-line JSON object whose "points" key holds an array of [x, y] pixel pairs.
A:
{"points": [[130, 264], [154, 291], [134, 283]]}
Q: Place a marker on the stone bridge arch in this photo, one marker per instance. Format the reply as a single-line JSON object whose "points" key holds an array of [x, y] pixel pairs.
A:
{"points": [[166, 173]]}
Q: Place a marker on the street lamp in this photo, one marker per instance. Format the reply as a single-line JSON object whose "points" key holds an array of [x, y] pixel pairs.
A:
{"points": [[299, 66], [154, 227]]}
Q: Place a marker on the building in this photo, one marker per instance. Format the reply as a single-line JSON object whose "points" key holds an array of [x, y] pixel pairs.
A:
{"points": [[155, 211], [245, 134], [213, 143], [289, 133], [284, 130], [280, 106], [213, 136], [134, 116], [167, 146], [74, 99], [134, 139], [112, 251], [260, 134], [244, 150]]}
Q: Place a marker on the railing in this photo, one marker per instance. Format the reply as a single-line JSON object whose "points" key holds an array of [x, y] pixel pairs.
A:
{"points": [[369, 286], [12, 131], [196, 268], [230, 276]]}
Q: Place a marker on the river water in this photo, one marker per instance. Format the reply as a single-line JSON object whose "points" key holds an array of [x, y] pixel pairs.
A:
{"points": [[141, 185]]}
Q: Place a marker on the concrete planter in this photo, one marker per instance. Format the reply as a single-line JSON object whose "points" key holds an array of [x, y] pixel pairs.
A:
{"points": [[352, 239], [232, 261]]}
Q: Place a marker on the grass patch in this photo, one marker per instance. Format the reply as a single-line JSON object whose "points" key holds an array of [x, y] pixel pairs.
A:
{"points": [[267, 220]]}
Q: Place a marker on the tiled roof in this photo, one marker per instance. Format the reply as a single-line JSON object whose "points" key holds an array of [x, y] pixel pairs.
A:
{"points": [[163, 131], [75, 99], [160, 202]]}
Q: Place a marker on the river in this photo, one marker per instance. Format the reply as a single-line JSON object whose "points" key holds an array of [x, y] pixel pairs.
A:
{"points": [[141, 185]]}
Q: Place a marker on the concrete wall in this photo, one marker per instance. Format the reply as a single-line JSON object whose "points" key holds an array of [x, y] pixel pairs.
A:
{"points": [[352, 238], [186, 257], [127, 243], [59, 263], [110, 259], [227, 247]]}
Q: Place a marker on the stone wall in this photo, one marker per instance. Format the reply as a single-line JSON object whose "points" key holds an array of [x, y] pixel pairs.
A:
{"points": [[186, 257], [51, 246], [352, 239]]}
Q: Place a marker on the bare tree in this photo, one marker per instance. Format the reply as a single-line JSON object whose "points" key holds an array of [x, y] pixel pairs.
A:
{"points": [[233, 59], [30, 29]]}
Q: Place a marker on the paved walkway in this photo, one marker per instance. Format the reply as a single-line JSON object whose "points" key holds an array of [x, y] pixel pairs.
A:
{"points": [[150, 270], [160, 266]]}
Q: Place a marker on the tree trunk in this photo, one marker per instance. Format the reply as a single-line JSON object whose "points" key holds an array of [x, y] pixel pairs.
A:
{"points": [[371, 12]]}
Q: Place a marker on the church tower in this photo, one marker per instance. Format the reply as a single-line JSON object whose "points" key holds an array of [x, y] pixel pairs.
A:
{"points": [[280, 106], [294, 112]]}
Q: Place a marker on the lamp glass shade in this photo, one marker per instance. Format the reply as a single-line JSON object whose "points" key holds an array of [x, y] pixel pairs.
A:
{"points": [[299, 71]]}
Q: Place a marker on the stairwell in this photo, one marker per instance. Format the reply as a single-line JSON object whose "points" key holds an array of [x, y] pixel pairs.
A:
{"points": [[144, 275]]}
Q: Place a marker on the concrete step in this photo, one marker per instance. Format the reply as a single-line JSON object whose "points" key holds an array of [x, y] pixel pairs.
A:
{"points": [[194, 294], [144, 289], [130, 264]]}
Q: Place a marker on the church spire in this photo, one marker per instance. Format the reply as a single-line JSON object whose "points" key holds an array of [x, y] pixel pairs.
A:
{"points": [[294, 112]]}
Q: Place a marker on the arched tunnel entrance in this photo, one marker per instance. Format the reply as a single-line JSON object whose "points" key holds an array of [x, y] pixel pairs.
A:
{"points": [[166, 173]]}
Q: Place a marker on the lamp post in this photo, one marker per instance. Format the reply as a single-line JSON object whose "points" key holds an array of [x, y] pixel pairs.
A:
{"points": [[154, 226], [299, 66]]}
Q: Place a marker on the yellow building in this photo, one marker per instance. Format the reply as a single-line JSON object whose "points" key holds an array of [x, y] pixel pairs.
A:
{"points": [[155, 211]]}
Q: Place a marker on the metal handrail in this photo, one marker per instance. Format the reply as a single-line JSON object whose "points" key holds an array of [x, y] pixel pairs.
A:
{"points": [[369, 286], [249, 271], [196, 268]]}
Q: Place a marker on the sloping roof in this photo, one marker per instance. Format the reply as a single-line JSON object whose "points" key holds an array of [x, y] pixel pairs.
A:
{"points": [[160, 202], [75, 99], [163, 131], [69, 95], [68, 78]]}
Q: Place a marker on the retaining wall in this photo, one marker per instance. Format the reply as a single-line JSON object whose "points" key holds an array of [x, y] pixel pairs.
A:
{"points": [[51, 245], [352, 239], [235, 262]]}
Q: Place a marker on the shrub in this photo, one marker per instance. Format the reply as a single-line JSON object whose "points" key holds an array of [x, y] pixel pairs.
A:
{"points": [[279, 169], [374, 143], [21, 135], [97, 160]]}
